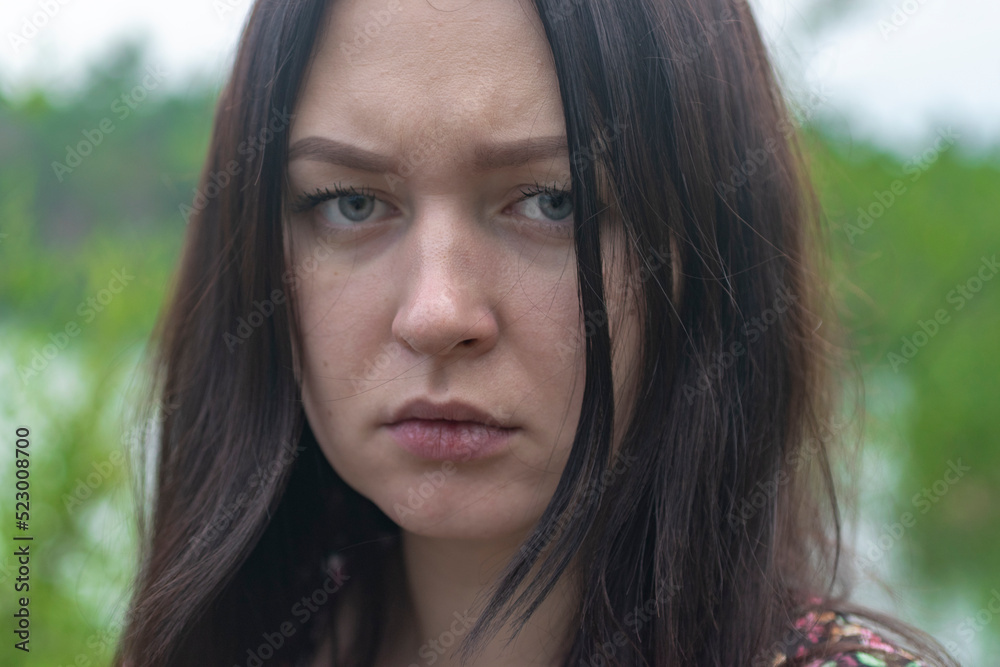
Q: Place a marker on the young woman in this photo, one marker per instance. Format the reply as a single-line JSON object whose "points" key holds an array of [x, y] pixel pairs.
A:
{"points": [[499, 338]]}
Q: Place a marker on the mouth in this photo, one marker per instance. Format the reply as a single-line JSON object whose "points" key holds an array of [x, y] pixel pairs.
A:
{"points": [[450, 431], [451, 411]]}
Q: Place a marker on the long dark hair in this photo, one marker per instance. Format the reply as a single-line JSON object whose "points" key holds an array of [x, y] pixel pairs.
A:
{"points": [[726, 525]]}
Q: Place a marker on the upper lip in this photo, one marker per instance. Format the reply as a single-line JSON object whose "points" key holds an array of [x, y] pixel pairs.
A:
{"points": [[452, 411]]}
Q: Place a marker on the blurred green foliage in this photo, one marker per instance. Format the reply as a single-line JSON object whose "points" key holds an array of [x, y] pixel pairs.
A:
{"points": [[62, 240], [918, 276]]}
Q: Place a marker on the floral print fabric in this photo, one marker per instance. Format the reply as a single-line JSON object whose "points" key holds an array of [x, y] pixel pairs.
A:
{"points": [[821, 628]]}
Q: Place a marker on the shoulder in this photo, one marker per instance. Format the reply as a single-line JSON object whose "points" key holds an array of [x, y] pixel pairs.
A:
{"points": [[840, 640]]}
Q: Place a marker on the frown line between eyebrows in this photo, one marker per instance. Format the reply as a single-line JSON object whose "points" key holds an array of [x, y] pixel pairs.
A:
{"points": [[486, 157]]}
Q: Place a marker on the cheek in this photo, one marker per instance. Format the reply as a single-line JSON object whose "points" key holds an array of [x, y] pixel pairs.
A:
{"points": [[332, 331], [342, 356]]}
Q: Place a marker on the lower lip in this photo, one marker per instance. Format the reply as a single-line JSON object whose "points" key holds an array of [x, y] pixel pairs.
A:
{"points": [[442, 440]]}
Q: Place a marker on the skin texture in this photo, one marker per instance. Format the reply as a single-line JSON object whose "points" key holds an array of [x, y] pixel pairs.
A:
{"points": [[450, 289]]}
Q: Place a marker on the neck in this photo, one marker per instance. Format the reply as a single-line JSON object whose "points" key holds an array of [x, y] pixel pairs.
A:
{"points": [[446, 580]]}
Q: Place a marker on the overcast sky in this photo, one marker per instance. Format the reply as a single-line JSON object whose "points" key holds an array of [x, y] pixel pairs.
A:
{"points": [[893, 71]]}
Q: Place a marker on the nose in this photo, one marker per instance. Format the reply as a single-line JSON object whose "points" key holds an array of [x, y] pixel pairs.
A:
{"points": [[449, 275]]}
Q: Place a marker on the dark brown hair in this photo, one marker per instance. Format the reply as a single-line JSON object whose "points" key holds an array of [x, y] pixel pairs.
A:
{"points": [[726, 526]]}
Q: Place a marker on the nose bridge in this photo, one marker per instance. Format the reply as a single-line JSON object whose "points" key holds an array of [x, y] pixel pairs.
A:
{"points": [[442, 240], [446, 301]]}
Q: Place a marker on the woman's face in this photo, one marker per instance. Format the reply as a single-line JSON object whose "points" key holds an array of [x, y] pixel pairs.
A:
{"points": [[441, 281]]}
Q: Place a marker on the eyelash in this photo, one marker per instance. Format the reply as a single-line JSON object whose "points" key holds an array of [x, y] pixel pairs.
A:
{"points": [[308, 201], [539, 189]]}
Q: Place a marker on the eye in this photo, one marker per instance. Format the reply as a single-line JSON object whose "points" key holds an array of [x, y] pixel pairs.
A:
{"points": [[544, 203], [342, 206]]}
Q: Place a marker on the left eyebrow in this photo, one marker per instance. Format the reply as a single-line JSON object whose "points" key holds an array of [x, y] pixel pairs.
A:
{"points": [[486, 156], [522, 151]]}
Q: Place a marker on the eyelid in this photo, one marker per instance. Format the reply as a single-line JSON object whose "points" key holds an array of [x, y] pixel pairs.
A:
{"points": [[539, 189], [306, 201]]}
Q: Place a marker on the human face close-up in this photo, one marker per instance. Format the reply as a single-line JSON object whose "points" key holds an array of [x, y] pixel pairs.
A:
{"points": [[439, 280]]}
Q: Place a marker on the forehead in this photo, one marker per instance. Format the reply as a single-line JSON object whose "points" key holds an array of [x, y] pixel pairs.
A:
{"points": [[394, 75]]}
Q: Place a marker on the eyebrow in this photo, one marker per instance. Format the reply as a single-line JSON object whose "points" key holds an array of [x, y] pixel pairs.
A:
{"points": [[486, 156]]}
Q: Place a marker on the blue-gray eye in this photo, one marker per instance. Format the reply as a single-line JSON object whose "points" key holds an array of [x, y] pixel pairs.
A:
{"points": [[545, 204], [345, 207], [356, 207], [556, 206]]}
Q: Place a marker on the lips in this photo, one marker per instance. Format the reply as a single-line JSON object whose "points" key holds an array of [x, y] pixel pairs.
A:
{"points": [[454, 431], [457, 411]]}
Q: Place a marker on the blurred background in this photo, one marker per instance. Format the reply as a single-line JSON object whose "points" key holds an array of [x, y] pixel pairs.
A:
{"points": [[105, 113]]}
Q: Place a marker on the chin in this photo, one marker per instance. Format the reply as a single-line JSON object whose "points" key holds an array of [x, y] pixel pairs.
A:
{"points": [[448, 507]]}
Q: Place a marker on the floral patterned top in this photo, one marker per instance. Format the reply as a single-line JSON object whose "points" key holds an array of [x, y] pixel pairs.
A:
{"points": [[831, 627]]}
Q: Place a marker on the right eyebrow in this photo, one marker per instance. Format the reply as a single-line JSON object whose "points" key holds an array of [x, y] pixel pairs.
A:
{"points": [[337, 152]]}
